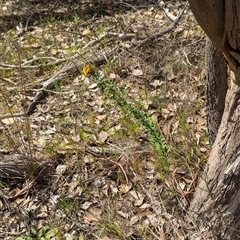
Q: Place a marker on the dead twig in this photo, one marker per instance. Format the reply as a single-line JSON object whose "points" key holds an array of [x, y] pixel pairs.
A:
{"points": [[163, 32], [37, 66], [121, 167], [12, 115], [119, 36], [77, 62], [97, 151], [70, 69], [55, 61]]}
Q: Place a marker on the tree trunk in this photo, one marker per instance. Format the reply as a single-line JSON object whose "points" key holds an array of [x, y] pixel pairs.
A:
{"points": [[216, 203], [216, 88]]}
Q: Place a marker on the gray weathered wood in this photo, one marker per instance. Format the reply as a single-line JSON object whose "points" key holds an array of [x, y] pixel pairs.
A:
{"points": [[216, 88], [216, 203]]}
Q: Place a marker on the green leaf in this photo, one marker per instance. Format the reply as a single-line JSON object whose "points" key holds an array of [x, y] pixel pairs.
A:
{"points": [[51, 233], [42, 232], [83, 135], [23, 237], [33, 232]]}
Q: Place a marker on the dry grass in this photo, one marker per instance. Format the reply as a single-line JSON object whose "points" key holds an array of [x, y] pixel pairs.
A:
{"points": [[93, 171]]}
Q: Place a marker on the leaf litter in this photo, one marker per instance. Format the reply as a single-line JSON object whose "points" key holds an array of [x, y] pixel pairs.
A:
{"points": [[94, 174]]}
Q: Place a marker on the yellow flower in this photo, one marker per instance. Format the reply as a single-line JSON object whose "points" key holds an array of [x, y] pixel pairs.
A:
{"points": [[87, 69]]}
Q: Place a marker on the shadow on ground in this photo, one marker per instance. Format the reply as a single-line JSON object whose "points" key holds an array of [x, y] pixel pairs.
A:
{"points": [[29, 13]]}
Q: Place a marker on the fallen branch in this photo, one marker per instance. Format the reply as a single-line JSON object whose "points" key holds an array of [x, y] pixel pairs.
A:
{"points": [[160, 34], [70, 69], [119, 36], [12, 115], [77, 63], [13, 165], [25, 66], [55, 61], [18, 165]]}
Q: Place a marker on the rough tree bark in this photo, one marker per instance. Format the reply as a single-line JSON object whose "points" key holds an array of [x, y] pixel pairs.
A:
{"points": [[216, 202], [216, 88]]}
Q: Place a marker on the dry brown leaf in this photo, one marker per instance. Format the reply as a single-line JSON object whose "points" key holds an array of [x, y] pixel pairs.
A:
{"points": [[124, 188], [42, 211], [101, 117], [18, 192], [144, 214], [138, 202], [105, 238], [133, 220], [86, 31], [122, 214], [172, 107], [88, 218], [19, 201], [137, 72], [162, 235], [41, 223], [105, 189], [175, 126], [93, 86], [145, 206], [88, 159], [151, 165], [198, 136], [135, 194], [26, 201], [102, 136], [95, 211], [86, 205], [159, 16], [8, 121], [147, 13], [72, 185], [166, 113]]}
